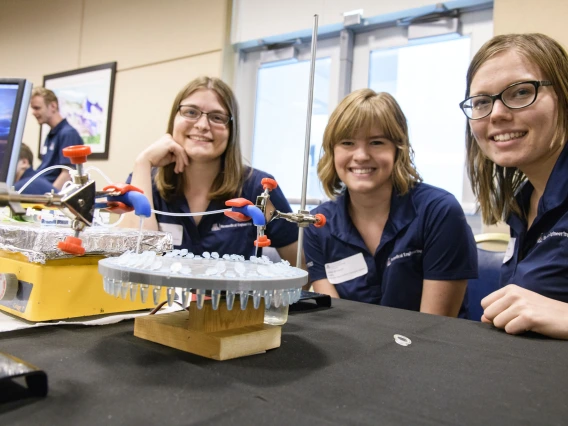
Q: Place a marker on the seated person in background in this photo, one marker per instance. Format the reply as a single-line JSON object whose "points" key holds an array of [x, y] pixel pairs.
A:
{"points": [[45, 108], [196, 167], [25, 171], [517, 109], [389, 239]]}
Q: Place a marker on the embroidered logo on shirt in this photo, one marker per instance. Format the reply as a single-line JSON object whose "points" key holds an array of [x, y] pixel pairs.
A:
{"points": [[401, 255], [551, 234], [219, 227]]}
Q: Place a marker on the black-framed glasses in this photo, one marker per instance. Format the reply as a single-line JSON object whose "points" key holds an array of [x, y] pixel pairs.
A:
{"points": [[515, 96], [193, 114]]}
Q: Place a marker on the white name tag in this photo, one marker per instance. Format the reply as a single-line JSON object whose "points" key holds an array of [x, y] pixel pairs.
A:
{"points": [[175, 230], [510, 250], [346, 269]]}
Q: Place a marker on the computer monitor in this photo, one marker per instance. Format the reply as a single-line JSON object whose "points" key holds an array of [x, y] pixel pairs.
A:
{"points": [[14, 102]]}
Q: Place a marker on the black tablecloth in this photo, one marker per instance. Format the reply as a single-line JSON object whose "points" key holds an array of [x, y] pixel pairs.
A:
{"points": [[335, 366]]}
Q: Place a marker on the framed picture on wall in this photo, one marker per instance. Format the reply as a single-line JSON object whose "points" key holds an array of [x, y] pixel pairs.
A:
{"points": [[85, 100]]}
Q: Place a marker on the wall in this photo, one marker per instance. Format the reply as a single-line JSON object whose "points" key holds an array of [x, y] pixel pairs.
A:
{"points": [[253, 20], [159, 46], [526, 16]]}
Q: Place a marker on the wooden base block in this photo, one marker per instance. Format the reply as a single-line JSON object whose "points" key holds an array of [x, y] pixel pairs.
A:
{"points": [[203, 333]]}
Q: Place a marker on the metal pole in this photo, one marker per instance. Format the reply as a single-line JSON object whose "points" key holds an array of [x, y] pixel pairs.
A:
{"points": [[308, 133]]}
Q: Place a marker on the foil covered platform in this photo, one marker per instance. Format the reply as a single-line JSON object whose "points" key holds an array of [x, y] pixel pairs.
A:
{"points": [[39, 243]]}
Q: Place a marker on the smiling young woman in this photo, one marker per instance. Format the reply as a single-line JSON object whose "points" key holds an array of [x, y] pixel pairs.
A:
{"points": [[389, 239], [196, 166], [517, 109]]}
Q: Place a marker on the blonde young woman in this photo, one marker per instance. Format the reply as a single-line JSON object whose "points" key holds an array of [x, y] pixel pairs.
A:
{"points": [[389, 239], [196, 166], [517, 109]]}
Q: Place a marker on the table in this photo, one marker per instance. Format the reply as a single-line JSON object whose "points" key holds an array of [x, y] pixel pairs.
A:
{"points": [[335, 366]]}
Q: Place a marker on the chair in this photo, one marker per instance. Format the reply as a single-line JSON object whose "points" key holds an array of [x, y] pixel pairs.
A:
{"points": [[489, 267]]}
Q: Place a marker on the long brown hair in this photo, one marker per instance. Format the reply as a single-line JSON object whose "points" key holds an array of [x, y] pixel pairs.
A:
{"points": [[361, 110], [495, 186], [229, 181]]}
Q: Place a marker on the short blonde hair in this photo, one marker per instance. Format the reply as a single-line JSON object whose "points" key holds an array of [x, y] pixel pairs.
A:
{"points": [[362, 109], [493, 185], [229, 181], [47, 95]]}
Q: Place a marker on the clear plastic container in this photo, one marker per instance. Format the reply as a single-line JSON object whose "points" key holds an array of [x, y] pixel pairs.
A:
{"points": [[276, 315]]}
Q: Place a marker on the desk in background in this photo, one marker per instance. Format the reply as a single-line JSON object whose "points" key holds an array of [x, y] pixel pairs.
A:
{"points": [[335, 366]]}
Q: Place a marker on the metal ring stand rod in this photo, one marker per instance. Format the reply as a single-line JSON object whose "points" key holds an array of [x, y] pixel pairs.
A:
{"points": [[308, 133]]}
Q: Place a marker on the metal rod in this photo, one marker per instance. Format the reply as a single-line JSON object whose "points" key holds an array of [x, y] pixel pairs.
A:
{"points": [[48, 200], [308, 134]]}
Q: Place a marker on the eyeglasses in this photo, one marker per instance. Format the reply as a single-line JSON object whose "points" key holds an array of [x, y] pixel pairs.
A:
{"points": [[193, 114], [516, 96]]}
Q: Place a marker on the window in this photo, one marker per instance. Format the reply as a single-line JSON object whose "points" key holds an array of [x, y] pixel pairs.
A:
{"points": [[428, 82], [426, 77], [280, 123]]}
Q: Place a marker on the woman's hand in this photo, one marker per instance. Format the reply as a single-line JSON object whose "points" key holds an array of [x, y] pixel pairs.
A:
{"points": [[163, 152], [518, 310]]}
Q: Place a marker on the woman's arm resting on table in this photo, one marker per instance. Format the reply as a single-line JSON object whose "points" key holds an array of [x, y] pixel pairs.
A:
{"points": [[518, 310], [290, 253], [325, 287], [442, 297]]}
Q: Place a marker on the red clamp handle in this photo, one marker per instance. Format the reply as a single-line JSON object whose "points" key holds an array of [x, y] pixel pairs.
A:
{"points": [[321, 220], [239, 217], [268, 183], [262, 241], [118, 207], [77, 153], [122, 188], [72, 245], [238, 202]]}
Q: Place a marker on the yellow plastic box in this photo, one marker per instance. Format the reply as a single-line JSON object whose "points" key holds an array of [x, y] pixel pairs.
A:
{"points": [[61, 289]]}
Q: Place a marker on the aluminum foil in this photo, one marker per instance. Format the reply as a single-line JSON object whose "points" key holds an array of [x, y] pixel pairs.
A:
{"points": [[39, 243]]}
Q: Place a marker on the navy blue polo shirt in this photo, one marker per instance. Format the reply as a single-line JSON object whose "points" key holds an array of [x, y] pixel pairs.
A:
{"points": [[40, 185], [61, 136], [539, 260], [220, 233], [425, 237]]}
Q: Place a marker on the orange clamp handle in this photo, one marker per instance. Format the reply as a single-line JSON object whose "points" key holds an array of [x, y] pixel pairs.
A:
{"points": [[262, 241], [122, 188], [77, 153], [238, 202], [268, 183], [72, 245], [321, 220]]}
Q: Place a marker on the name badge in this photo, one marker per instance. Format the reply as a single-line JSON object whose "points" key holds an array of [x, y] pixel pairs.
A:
{"points": [[510, 250], [174, 229], [346, 269]]}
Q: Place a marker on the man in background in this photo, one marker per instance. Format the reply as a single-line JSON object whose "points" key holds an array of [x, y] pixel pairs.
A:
{"points": [[45, 108], [25, 171]]}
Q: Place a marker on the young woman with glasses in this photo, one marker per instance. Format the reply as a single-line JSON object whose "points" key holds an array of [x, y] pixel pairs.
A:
{"points": [[195, 167], [517, 109], [389, 239]]}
